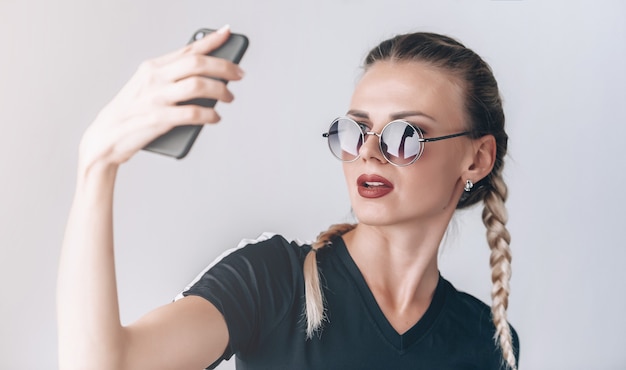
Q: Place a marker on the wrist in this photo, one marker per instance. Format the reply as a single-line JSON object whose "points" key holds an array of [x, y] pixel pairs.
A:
{"points": [[96, 173]]}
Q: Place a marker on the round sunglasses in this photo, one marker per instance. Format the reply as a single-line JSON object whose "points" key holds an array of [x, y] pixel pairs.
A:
{"points": [[400, 142]]}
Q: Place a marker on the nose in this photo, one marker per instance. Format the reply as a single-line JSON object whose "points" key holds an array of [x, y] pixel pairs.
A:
{"points": [[370, 150]]}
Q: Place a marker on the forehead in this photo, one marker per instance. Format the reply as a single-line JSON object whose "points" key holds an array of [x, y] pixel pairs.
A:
{"points": [[388, 87]]}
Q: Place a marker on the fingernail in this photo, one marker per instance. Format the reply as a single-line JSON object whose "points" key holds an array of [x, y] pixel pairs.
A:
{"points": [[240, 72], [224, 28]]}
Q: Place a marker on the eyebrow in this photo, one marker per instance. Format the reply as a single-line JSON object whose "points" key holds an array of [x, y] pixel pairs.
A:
{"points": [[393, 116]]}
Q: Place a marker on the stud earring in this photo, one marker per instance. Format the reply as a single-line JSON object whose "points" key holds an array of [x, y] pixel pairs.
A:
{"points": [[468, 185]]}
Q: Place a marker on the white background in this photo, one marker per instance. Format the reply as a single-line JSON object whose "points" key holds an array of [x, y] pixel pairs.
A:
{"points": [[561, 68]]}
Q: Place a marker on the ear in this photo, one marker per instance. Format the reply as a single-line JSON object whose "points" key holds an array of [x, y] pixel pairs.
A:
{"points": [[483, 158]]}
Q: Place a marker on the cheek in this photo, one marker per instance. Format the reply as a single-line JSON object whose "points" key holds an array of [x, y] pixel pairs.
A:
{"points": [[438, 171], [350, 175], [430, 191], [444, 156]]}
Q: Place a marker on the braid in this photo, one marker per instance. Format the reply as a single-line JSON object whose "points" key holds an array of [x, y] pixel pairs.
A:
{"points": [[485, 116], [314, 310], [495, 217]]}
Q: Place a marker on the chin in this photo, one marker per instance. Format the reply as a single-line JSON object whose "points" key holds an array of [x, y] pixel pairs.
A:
{"points": [[374, 217]]}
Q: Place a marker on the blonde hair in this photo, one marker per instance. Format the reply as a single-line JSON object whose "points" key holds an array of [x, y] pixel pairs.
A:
{"points": [[495, 217], [483, 106], [498, 237], [315, 311]]}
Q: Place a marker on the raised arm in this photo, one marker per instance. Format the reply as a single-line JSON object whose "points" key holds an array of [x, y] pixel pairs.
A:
{"points": [[189, 333]]}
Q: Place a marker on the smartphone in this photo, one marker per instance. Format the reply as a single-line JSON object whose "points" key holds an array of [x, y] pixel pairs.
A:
{"points": [[178, 141]]}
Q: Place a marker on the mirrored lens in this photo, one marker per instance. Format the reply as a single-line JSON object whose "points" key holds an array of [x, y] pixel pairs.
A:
{"points": [[345, 139], [400, 143]]}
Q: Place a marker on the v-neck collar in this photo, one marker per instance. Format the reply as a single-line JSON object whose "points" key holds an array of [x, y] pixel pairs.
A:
{"points": [[401, 342]]}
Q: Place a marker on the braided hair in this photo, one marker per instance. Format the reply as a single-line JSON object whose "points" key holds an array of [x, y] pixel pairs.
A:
{"points": [[483, 107]]}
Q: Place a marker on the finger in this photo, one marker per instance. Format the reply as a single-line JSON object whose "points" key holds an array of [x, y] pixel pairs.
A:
{"points": [[142, 129], [202, 65], [187, 115], [160, 121], [211, 41], [205, 45], [193, 88]]}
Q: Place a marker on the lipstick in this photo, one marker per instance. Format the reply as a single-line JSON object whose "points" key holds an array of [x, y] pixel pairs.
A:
{"points": [[373, 186]]}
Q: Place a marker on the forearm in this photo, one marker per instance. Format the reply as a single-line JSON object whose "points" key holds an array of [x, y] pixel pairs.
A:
{"points": [[90, 332]]}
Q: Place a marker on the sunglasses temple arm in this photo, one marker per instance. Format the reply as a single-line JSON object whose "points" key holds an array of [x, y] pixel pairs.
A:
{"points": [[443, 137]]}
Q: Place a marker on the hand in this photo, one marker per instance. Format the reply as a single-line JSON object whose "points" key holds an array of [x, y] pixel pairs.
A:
{"points": [[146, 107]]}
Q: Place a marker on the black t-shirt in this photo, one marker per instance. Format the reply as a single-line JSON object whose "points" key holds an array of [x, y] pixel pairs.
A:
{"points": [[259, 288]]}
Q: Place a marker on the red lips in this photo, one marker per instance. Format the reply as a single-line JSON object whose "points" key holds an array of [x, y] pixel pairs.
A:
{"points": [[373, 186]]}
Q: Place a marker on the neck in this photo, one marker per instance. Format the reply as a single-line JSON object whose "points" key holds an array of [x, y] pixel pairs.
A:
{"points": [[400, 267], [394, 254]]}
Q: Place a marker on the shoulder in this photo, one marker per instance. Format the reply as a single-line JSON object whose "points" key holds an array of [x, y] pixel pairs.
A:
{"points": [[254, 286], [269, 256], [468, 310], [472, 317], [466, 305], [268, 248]]}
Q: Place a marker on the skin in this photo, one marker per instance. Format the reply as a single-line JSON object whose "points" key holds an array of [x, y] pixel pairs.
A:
{"points": [[394, 245], [396, 241], [188, 334]]}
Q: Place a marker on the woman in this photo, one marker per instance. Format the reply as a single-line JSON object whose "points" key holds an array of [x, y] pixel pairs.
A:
{"points": [[424, 135]]}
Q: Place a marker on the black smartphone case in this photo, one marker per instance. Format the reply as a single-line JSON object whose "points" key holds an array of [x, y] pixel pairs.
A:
{"points": [[178, 141]]}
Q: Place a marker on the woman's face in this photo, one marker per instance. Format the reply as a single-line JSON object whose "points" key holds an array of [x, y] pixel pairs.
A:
{"points": [[429, 189]]}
